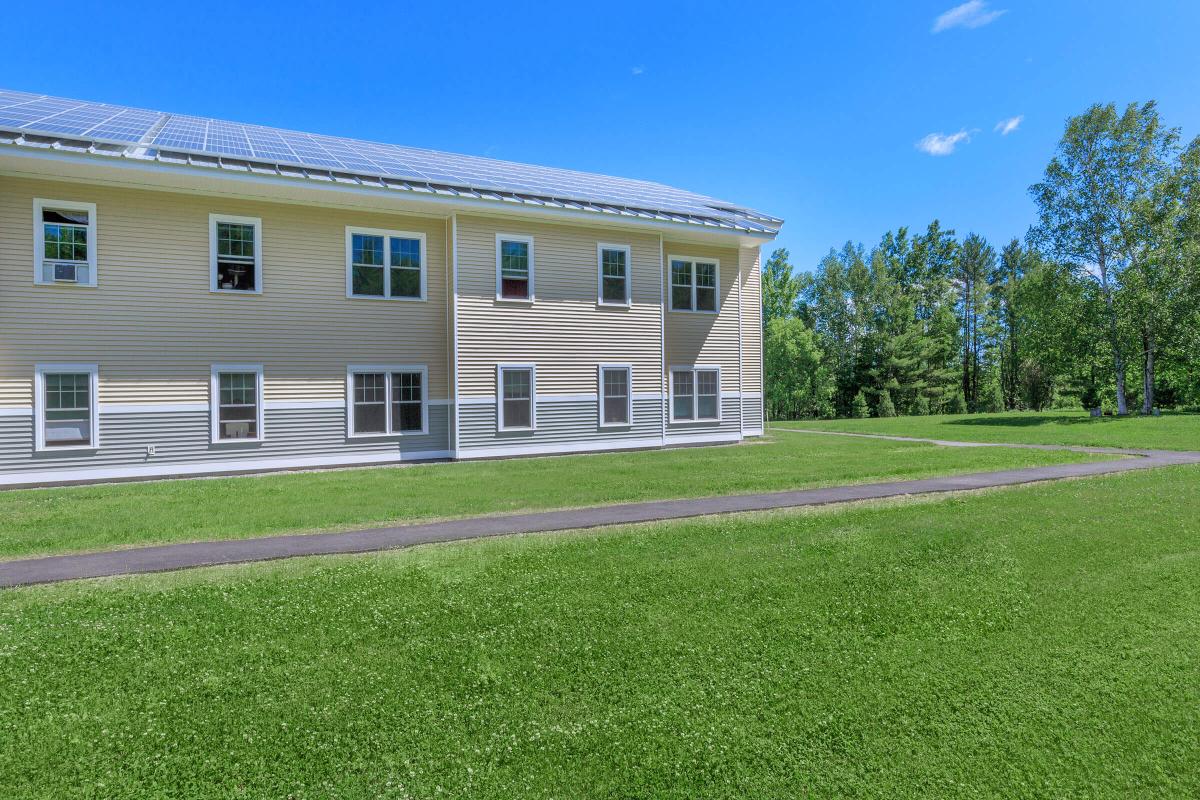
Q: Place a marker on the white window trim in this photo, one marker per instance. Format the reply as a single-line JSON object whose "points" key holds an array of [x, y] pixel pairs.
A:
{"points": [[628, 250], [500, 370], [39, 242], [214, 403], [387, 369], [693, 368], [514, 237], [387, 263], [717, 289], [600, 396], [39, 405], [213, 219]]}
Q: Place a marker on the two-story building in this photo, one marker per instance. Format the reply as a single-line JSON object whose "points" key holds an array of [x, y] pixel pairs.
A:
{"points": [[184, 296]]}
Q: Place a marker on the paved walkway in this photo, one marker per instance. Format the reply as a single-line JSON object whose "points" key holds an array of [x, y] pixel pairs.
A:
{"points": [[162, 558]]}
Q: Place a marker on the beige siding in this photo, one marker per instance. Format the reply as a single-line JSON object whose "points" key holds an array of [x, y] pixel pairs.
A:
{"points": [[699, 338], [564, 331], [154, 327], [751, 320]]}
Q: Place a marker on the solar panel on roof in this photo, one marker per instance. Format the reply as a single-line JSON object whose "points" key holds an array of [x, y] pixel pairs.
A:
{"points": [[59, 116]]}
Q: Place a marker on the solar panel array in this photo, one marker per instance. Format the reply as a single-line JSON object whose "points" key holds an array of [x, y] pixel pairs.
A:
{"points": [[40, 114]]}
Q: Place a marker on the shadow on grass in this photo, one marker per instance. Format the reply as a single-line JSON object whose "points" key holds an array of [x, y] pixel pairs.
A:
{"points": [[1029, 422]]}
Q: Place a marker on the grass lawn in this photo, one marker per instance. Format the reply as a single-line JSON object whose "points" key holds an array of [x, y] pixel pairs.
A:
{"points": [[96, 517], [1039, 641], [1168, 432]]}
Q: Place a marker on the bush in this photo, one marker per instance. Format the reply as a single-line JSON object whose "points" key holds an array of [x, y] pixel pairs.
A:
{"points": [[995, 403], [958, 403], [921, 406], [858, 406], [885, 407]]}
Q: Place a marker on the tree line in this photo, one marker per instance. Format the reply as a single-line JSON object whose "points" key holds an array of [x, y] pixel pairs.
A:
{"points": [[1098, 306]]}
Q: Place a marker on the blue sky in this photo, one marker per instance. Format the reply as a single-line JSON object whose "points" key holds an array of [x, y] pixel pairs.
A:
{"points": [[813, 112]]}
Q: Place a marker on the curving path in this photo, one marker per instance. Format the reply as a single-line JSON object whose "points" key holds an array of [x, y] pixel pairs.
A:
{"points": [[161, 558]]}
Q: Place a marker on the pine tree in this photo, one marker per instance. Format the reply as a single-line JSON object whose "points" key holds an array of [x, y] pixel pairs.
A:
{"points": [[858, 407], [885, 408]]}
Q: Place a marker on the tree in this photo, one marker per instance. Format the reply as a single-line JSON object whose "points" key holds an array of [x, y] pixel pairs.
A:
{"points": [[1005, 280], [858, 407], [1089, 202], [798, 385], [885, 407], [976, 264], [781, 287]]}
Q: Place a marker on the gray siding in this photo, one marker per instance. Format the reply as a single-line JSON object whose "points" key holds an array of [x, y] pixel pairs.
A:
{"points": [[752, 409], [569, 424], [728, 428], [183, 438]]}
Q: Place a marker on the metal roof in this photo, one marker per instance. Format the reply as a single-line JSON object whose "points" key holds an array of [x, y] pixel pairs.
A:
{"points": [[118, 131]]}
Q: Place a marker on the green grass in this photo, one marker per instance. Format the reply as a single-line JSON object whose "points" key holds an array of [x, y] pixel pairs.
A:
{"points": [[97, 517], [1168, 432], [1039, 641]]}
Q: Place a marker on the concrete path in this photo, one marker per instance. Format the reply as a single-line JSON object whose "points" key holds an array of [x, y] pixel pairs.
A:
{"points": [[162, 558]]}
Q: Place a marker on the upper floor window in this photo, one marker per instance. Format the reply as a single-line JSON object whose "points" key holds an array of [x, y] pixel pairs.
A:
{"points": [[64, 242], [693, 284], [235, 253], [695, 394], [385, 264], [516, 397], [387, 400], [65, 407], [614, 260], [514, 267], [615, 394], [237, 403]]}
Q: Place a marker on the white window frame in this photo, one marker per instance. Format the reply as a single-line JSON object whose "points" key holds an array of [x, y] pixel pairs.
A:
{"points": [[628, 250], [213, 286], [387, 263], [716, 288], [387, 370], [39, 405], [39, 241], [214, 401], [500, 370], [695, 393], [514, 237], [628, 369]]}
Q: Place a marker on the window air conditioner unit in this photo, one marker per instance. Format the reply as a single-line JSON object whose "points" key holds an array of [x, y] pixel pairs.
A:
{"points": [[65, 272]]}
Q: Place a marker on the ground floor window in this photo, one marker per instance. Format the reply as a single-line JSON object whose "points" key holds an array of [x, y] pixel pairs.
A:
{"points": [[695, 394], [615, 395], [237, 404], [515, 399], [65, 407], [387, 400]]}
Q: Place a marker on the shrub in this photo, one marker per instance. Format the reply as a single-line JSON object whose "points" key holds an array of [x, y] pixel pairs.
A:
{"points": [[921, 406], [885, 407], [958, 403], [858, 406]]}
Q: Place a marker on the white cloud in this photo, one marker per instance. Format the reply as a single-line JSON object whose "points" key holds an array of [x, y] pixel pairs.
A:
{"points": [[941, 144], [636, 70], [1007, 126], [971, 14]]}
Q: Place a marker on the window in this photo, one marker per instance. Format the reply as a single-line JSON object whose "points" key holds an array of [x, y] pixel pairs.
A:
{"points": [[615, 394], [237, 403], [385, 264], [386, 401], [65, 406], [695, 394], [516, 396], [64, 242], [614, 260], [235, 254], [514, 267], [694, 284]]}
